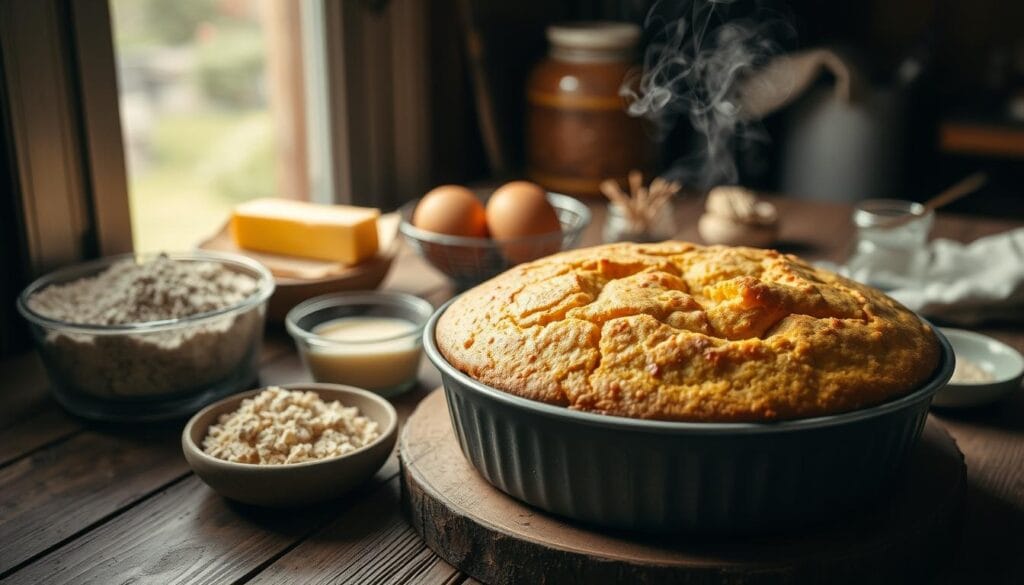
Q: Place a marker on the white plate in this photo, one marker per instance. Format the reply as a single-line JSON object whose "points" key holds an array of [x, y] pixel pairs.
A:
{"points": [[995, 357]]}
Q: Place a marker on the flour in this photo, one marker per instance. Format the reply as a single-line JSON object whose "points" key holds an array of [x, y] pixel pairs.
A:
{"points": [[129, 292], [182, 359]]}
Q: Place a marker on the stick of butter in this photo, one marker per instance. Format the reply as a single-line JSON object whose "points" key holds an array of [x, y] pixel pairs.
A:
{"points": [[340, 233]]}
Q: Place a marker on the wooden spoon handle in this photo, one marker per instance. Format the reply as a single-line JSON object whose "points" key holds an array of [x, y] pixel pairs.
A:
{"points": [[962, 188]]}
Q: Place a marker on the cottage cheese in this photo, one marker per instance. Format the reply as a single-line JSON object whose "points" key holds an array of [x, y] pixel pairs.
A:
{"points": [[279, 426]]}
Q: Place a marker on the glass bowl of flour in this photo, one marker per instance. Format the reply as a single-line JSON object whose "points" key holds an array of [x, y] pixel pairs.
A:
{"points": [[130, 338]]}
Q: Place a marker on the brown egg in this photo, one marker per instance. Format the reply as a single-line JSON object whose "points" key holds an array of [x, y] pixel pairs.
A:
{"points": [[452, 210], [519, 209], [455, 211]]}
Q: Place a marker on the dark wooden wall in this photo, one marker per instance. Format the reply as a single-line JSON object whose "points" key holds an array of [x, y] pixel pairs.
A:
{"points": [[968, 48], [964, 34]]}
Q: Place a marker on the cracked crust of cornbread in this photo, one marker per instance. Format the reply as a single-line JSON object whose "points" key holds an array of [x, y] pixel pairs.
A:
{"points": [[677, 331]]}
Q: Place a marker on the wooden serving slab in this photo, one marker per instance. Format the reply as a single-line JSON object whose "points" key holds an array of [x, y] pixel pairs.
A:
{"points": [[298, 279], [498, 539]]}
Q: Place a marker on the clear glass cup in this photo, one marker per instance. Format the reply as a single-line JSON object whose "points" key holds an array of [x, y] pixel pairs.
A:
{"points": [[379, 360], [891, 244]]}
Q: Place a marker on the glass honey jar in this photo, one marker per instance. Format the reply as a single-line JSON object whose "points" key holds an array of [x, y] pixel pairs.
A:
{"points": [[578, 132]]}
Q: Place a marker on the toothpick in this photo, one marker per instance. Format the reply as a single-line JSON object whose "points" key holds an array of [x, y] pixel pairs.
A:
{"points": [[657, 184], [636, 184], [612, 191]]}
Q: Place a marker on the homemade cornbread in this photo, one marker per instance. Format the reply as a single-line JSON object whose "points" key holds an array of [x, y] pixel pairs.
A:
{"points": [[677, 331]]}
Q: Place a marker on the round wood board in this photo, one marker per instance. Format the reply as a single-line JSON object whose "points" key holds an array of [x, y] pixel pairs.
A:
{"points": [[498, 539]]}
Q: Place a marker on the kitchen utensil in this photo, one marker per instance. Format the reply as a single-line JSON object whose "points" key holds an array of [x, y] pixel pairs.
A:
{"points": [[957, 191]]}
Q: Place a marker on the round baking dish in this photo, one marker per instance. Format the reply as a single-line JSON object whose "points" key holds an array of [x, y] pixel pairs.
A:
{"points": [[662, 476]]}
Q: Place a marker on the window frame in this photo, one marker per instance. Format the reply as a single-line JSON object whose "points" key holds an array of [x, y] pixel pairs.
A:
{"points": [[63, 127], [379, 100], [60, 74]]}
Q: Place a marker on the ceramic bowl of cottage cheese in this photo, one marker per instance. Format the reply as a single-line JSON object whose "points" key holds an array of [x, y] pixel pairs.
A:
{"points": [[292, 445], [129, 338]]}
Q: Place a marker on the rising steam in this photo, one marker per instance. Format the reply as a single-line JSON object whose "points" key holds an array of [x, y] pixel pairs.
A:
{"points": [[692, 67]]}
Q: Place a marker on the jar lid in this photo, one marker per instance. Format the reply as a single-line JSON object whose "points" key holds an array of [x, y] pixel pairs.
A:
{"points": [[593, 41]]}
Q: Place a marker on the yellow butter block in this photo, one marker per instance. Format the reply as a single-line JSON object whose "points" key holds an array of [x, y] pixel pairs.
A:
{"points": [[341, 233]]}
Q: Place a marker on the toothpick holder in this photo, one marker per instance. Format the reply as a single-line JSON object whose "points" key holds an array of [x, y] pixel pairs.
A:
{"points": [[620, 227]]}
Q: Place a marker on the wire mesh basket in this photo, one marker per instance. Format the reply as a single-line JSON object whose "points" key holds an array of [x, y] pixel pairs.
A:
{"points": [[470, 261]]}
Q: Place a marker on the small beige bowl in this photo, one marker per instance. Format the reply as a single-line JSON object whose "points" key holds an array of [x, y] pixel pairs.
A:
{"points": [[295, 484], [1004, 363]]}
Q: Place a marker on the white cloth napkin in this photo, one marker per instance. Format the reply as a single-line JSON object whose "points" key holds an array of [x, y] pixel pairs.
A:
{"points": [[967, 284]]}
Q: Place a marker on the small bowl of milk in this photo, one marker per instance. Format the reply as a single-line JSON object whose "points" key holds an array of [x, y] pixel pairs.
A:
{"points": [[370, 339]]}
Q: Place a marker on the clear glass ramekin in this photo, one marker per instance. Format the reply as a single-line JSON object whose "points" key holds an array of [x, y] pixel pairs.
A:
{"points": [[386, 364], [154, 370]]}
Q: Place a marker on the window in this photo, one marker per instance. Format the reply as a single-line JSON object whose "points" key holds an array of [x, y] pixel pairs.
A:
{"points": [[223, 100], [212, 111], [326, 99]]}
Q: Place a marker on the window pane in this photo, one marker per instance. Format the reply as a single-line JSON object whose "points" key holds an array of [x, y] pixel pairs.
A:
{"points": [[197, 84]]}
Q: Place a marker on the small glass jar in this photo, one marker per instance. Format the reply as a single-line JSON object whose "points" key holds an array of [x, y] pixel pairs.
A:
{"points": [[891, 245], [381, 342], [618, 227], [578, 131]]}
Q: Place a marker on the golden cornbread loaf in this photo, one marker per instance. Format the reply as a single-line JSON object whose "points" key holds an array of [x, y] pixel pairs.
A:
{"points": [[677, 331]]}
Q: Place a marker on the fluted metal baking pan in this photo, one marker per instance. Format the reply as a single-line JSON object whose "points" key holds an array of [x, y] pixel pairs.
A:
{"points": [[663, 476]]}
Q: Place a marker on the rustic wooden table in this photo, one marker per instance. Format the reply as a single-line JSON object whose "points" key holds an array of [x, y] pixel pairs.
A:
{"points": [[88, 503]]}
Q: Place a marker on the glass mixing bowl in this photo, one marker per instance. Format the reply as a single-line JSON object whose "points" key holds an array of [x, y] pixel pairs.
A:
{"points": [[153, 370]]}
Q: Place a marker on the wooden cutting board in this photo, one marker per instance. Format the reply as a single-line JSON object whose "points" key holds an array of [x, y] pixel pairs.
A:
{"points": [[498, 539], [298, 279]]}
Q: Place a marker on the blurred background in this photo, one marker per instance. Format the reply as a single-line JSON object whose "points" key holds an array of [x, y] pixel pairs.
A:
{"points": [[199, 133], [897, 98]]}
